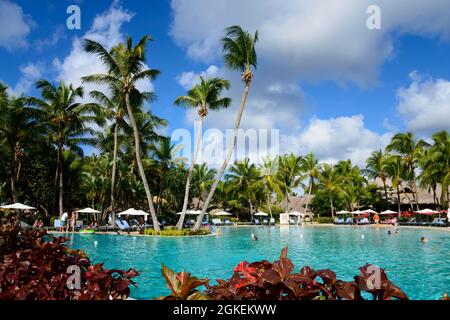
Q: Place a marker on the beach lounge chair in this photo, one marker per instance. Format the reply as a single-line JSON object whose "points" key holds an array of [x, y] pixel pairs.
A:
{"points": [[57, 224], [363, 221], [292, 221], [256, 221], [227, 222], [79, 224], [349, 220], [123, 225], [216, 222], [272, 221], [392, 221], [340, 221], [410, 222], [439, 222], [265, 221]]}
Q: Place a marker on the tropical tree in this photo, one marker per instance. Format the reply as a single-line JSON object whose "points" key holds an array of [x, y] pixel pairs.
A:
{"points": [[243, 178], [204, 96], [125, 65], [311, 167], [240, 54], [376, 168], [202, 179], [66, 121], [19, 127], [330, 181], [409, 148], [271, 181], [396, 171], [290, 174]]}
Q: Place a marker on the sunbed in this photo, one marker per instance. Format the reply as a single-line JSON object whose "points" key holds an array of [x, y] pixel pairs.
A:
{"points": [[292, 221], [340, 221], [349, 221], [363, 221], [439, 222], [216, 222], [123, 225], [272, 221], [256, 221], [265, 221], [227, 222]]}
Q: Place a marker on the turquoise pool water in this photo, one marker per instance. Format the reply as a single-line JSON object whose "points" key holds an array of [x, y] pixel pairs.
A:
{"points": [[421, 270]]}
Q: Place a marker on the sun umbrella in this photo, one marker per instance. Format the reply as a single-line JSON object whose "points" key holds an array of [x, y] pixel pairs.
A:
{"points": [[222, 213], [343, 212], [426, 211], [388, 212], [295, 213], [18, 206], [369, 211], [88, 210], [133, 212], [261, 214], [357, 212], [192, 212]]}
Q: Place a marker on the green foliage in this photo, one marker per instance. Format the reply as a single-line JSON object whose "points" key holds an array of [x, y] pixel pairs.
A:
{"points": [[174, 232], [324, 220]]}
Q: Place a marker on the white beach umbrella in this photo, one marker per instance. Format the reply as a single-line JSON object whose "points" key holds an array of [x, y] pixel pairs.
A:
{"points": [[388, 212], [369, 211], [261, 214], [426, 211], [88, 210], [343, 212], [191, 212], [133, 212], [222, 213], [357, 212], [18, 206]]}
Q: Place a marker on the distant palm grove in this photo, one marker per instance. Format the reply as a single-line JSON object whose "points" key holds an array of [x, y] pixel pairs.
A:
{"points": [[42, 162]]}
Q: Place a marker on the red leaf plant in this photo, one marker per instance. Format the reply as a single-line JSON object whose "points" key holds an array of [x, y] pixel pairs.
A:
{"points": [[35, 268], [276, 281]]}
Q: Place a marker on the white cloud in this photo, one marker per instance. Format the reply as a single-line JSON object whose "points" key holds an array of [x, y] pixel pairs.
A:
{"points": [[106, 29], [312, 40], [14, 26], [336, 139], [425, 104], [30, 73], [189, 79]]}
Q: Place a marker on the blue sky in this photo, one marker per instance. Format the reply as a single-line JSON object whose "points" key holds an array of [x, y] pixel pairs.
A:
{"points": [[330, 85]]}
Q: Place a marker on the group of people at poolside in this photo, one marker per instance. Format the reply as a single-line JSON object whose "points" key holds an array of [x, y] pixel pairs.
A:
{"points": [[69, 220]]}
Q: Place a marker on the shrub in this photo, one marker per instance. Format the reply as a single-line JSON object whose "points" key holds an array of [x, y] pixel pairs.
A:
{"points": [[264, 280], [324, 220], [34, 268], [174, 232]]}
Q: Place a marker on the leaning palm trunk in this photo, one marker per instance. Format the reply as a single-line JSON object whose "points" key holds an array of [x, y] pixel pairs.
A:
{"points": [[227, 159], [139, 163], [191, 170], [113, 175], [332, 207]]}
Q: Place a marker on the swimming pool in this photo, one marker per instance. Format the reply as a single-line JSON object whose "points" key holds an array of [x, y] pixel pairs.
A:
{"points": [[421, 270]]}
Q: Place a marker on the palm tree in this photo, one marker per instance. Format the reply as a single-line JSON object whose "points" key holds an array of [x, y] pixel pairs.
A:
{"points": [[396, 171], [19, 126], [409, 148], [291, 174], [66, 120], [376, 168], [243, 178], [310, 166], [125, 65], [240, 54], [330, 180], [203, 96], [271, 180], [440, 155], [202, 179], [164, 155]]}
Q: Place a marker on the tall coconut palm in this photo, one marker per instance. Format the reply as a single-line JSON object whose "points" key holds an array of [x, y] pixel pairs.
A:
{"points": [[19, 126], [125, 65], [202, 179], [408, 147], [440, 154], [330, 180], [204, 96], [240, 54], [66, 119], [376, 168], [311, 167]]}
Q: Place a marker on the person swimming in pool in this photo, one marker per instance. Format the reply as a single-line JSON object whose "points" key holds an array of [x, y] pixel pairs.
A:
{"points": [[424, 239], [254, 237]]}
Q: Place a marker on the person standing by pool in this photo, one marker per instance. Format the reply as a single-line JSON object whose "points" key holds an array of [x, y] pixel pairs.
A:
{"points": [[376, 218], [73, 220], [63, 220]]}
